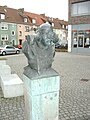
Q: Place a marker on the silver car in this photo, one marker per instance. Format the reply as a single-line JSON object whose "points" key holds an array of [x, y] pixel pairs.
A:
{"points": [[8, 49]]}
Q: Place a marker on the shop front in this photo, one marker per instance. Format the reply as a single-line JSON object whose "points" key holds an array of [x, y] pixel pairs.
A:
{"points": [[81, 38]]}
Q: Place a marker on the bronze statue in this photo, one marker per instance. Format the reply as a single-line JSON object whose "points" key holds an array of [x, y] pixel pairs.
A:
{"points": [[40, 50]]}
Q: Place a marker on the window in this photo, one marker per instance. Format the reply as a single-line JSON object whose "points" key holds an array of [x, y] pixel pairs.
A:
{"points": [[81, 8], [25, 20], [4, 27], [53, 24], [66, 27], [74, 9], [34, 28], [20, 33], [4, 37], [74, 38], [2, 16], [33, 21], [27, 29], [13, 42], [10, 47], [13, 33], [62, 26], [81, 38], [87, 39]]}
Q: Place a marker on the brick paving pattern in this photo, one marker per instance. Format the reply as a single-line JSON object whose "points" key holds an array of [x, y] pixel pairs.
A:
{"points": [[74, 92]]}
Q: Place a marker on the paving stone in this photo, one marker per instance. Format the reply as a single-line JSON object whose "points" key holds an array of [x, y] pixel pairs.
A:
{"points": [[74, 93]]}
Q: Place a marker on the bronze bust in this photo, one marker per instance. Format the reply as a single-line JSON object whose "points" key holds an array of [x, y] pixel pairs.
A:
{"points": [[40, 50]]}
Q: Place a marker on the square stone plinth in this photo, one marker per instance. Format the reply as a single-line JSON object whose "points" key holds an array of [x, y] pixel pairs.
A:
{"points": [[12, 86], [42, 97]]}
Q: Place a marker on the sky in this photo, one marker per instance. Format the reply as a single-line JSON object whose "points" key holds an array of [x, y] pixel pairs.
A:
{"points": [[51, 8]]}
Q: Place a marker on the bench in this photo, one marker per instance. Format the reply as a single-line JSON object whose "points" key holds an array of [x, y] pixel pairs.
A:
{"points": [[12, 85]]}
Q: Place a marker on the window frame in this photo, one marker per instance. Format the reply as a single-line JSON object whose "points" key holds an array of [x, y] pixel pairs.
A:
{"points": [[20, 33], [4, 26], [53, 24], [34, 21], [2, 16], [12, 32], [27, 28], [75, 8], [4, 36], [25, 19]]}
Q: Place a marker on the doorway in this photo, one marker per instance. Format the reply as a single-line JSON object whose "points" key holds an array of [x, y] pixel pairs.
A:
{"points": [[80, 41], [20, 41]]}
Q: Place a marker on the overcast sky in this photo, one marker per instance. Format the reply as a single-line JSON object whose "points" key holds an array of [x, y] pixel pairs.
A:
{"points": [[51, 8]]}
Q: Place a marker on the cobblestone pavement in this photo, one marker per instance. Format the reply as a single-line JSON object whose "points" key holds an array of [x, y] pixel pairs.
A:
{"points": [[74, 90]]}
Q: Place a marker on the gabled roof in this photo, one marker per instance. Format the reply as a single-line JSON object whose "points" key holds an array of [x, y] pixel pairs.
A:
{"points": [[57, 22], [39, 18], [13, 15]]}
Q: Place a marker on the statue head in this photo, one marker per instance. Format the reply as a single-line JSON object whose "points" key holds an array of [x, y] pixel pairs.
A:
{"points": [[45, 35]]}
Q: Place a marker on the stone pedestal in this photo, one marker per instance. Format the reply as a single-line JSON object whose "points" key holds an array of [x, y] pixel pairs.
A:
{"points": [[12, 86], [42, 97]]}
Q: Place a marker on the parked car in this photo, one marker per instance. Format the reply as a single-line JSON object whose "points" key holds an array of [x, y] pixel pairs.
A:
{"points": [[8, 49], [57, 45], [64, 45], [20, 46]]}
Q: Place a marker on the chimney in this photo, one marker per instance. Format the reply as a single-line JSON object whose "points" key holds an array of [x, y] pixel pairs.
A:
{"points": [[43, 14], [21, 11]]}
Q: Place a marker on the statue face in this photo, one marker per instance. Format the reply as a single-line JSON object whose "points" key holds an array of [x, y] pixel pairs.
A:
{"points": [[46, 37]]}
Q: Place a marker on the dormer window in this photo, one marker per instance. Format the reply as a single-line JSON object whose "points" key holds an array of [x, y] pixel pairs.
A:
{"points": [[2, 16], [33, 21], [66, 27], [52, 24], [25, 20], [20, 33], [62, 26]]}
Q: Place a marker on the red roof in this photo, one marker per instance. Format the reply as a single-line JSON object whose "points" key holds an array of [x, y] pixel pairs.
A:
{"points": [[13, 15], [39, 18]]}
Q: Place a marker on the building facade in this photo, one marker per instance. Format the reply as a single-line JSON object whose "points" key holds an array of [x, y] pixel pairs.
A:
{"points": [[16, 24], [8, 33], [79, 26], [13, 26]]}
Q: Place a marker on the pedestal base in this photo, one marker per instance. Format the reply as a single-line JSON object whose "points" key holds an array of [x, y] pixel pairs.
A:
{"points": [[42, 97]]}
